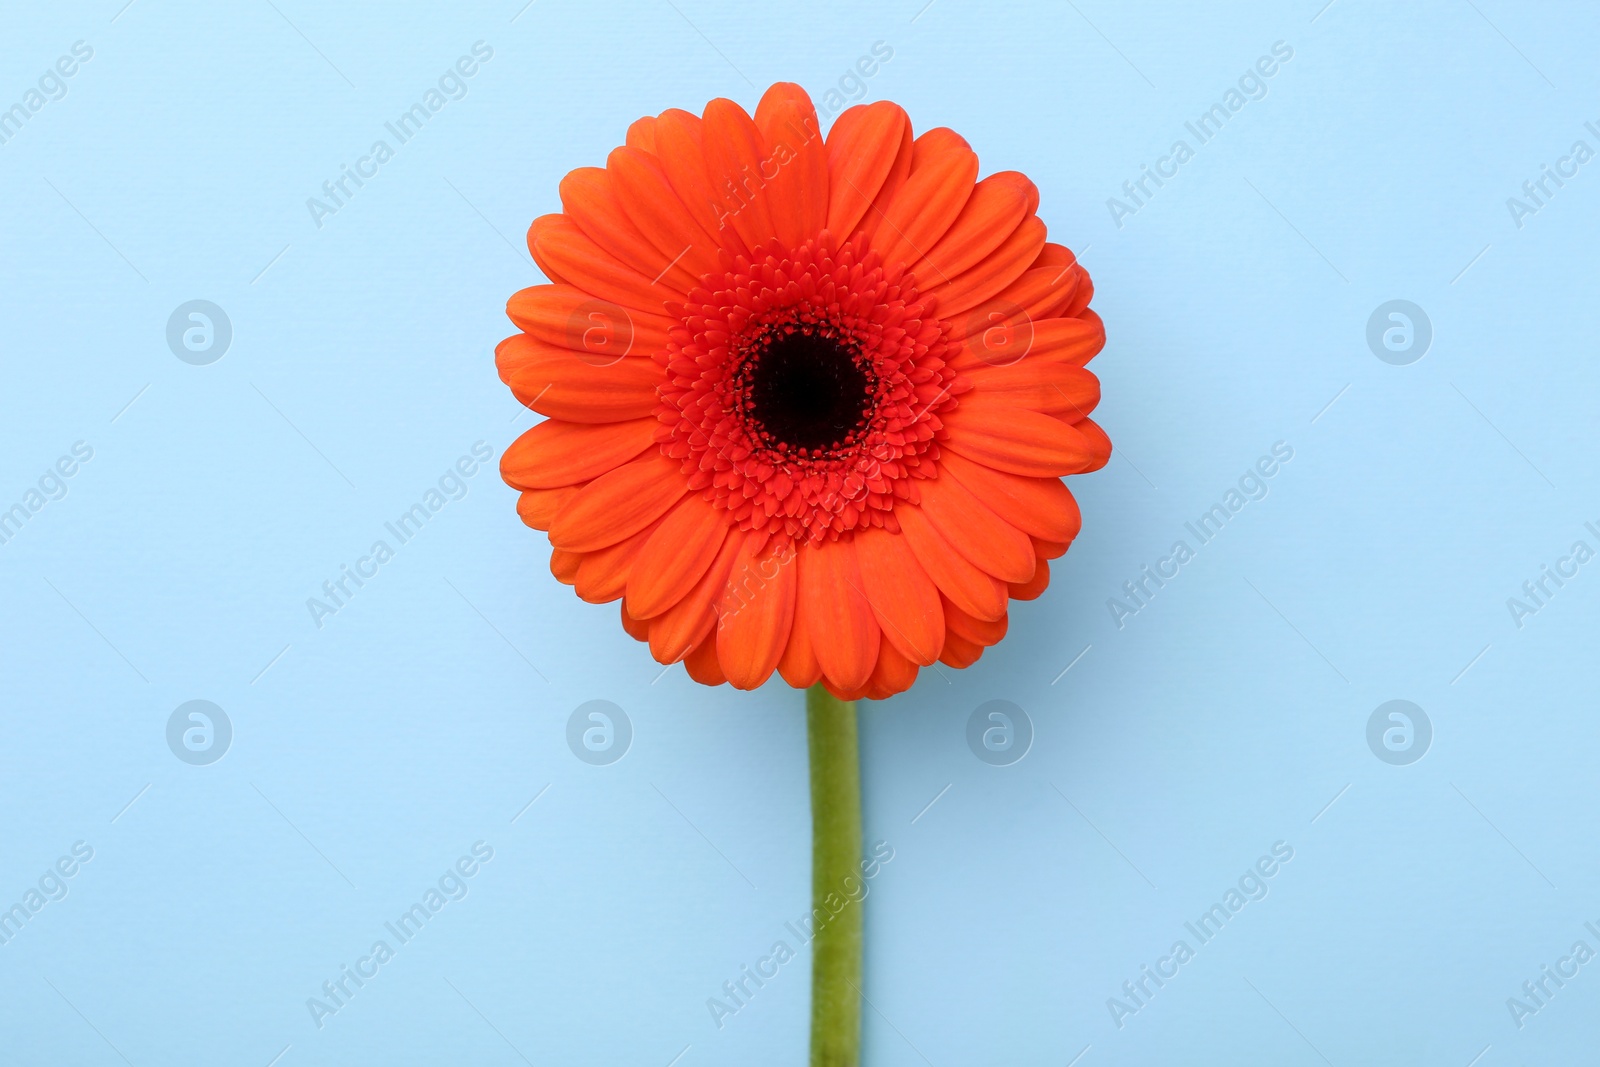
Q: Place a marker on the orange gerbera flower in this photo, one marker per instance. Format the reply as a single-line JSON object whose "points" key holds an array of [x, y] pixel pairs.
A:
{"points": [[809, 399]]}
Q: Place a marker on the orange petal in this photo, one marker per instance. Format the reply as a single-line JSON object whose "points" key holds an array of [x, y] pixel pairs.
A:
{"points": [[1099, 443], [638, 629], [1064, 261], [1050, 549], [576, 259], [536, 227], [898, 173], [539, 507], [1074, 340], [1055, 255], [684, 625], [973, 590], [703, 665], [564, 384], [1093, 318], [1002, 267], [893, 674], [937, 142], [844, 634], [603, 574], [1009, 339], [1082, 293], [858, 693], [993, 334], [564, 565], [679, 552], [1038, 294], [735, 154], [568, 317], [648, 198], [978, 631], [861, 147], [1039, 507], [556, 453], [755, 613], [590, 199], [973, 529], [1033, 587], [959, 652], [679, 141], [1015, 439], [798, 191], [642, 134], [924, 208], [1040, 384], [619, 504], [996, 208], [798, 664], [903, 598]]}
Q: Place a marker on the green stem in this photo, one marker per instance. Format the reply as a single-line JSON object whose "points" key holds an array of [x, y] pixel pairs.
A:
{"points": [[835, 857]]}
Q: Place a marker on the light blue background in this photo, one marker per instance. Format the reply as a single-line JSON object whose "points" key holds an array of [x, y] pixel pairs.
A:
{"points": [[371, 753]]}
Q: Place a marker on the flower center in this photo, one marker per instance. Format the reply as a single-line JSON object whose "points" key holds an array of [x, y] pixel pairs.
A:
{"points": [[804, 388]]}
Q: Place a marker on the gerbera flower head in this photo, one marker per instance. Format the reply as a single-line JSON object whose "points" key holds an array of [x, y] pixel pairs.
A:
{"points": [[808, 398]]}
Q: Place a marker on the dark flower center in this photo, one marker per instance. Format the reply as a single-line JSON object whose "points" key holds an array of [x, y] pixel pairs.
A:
{"points": [[807, 390]]}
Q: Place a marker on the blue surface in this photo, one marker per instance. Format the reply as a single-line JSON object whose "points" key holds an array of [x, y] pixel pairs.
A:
{"points": [[1229, 713]]}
